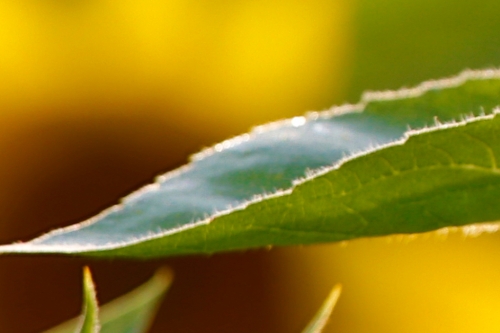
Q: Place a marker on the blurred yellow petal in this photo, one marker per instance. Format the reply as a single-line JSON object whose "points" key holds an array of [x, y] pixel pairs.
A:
{"points": [[225, 64]]}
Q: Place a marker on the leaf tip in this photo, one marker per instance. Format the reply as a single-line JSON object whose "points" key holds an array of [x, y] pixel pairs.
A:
{"points": [[320, 320], [88, 282], [163, 277]]}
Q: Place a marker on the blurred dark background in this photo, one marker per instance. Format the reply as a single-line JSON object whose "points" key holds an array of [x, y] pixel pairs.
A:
{"points": [[98, 97]]}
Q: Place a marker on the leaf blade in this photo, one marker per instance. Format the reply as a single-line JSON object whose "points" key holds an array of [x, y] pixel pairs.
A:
{"points": [[215, 203]]}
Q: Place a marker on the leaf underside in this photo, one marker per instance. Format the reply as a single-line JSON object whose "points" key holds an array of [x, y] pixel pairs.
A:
{"points": [[130, 313], [354, 171]]}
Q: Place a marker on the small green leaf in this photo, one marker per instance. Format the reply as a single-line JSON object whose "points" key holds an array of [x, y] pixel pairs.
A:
{"points": [[354, 171], [320, 320], [89, 321], [131, 313]]}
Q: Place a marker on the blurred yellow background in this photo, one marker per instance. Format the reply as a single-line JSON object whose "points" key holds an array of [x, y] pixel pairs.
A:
{"points": [[97, 97]]}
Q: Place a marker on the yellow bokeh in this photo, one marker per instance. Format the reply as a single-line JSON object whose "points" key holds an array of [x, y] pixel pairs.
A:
{"points": [[432, 282], [209, 65]]}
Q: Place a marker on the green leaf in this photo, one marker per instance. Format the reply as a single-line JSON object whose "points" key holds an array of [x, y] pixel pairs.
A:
{"points": [[89, 321], [353, 171], [131, 313], [320, 320]]}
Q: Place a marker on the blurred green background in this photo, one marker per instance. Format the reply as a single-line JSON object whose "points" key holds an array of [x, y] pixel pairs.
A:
{"points": [[98, 97]]}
